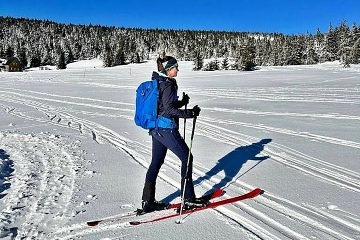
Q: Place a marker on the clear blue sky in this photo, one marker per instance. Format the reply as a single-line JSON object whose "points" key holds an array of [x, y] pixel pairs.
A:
{"points": [[281, 16]]}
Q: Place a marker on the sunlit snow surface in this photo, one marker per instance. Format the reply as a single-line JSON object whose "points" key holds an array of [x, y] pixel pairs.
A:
{"points": [[71, 153]]}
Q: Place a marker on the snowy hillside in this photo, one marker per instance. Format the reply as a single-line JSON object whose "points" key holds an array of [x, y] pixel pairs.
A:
{"points": [[70, 153]]}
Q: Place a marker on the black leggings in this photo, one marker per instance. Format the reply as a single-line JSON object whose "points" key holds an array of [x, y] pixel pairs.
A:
{"points": [[165, 139]]}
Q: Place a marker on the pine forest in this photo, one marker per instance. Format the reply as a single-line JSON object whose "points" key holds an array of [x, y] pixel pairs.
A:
{"points": [[41, 42]]}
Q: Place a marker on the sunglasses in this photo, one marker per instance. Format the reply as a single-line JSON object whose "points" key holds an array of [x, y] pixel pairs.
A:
{"points": [[174, 66]]}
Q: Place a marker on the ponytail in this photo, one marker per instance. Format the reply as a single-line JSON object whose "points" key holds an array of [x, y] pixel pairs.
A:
{"points": [[160, 66]]}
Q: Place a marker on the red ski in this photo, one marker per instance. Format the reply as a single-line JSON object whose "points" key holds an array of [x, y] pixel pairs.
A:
{"points": [[207, 197], [215, 204]]}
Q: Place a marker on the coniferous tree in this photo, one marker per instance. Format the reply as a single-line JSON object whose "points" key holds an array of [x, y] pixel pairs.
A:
{"points": [[21, 54], [345, 44], [9, 52], [39, 40], [260, 47], [46, 56], [225, 64], [355, 44], [119, 58], [2, 53], [320, 47], [266, 57], [355, 52], [35, 61], [246, 58], [107, 56], [69, 57], [331, 45], [61, 64], [198, 61], [310, 55]]}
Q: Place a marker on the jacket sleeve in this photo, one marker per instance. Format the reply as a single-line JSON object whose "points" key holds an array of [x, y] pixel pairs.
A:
{"points": [[170, 108], [178, 104]]}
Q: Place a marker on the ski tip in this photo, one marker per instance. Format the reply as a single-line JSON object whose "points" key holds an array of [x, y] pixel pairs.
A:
{"points": [[257, 191], [93, 223], [135, 223]]}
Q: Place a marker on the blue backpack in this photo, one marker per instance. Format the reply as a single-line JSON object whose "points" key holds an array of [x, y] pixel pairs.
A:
{"points": [[146, 108]]}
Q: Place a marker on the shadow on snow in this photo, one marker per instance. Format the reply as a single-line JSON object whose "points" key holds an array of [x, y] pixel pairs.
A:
{"points": [[231, 165], [6, 168]]}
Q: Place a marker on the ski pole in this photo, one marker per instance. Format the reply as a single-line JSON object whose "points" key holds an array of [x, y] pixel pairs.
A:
{"points": [[187, 170], [184, 118], [185, 123]]}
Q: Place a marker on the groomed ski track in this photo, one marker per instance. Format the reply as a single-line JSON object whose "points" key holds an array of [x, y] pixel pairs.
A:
{"points": [[269, 216]]}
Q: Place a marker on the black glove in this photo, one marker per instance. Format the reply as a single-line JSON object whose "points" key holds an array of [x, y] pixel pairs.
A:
{"points": [[196, 110], [185, 99]]}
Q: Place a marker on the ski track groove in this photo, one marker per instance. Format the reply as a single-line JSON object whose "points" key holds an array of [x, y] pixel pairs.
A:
{"points": [[286, 114], [290, 157], [288, 132], [279, 204], [114, 138], [45, 194], [287, 156], [281, 94]]}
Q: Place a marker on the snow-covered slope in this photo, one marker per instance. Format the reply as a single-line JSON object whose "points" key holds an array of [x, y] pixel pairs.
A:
{"points": [[71, 153]]}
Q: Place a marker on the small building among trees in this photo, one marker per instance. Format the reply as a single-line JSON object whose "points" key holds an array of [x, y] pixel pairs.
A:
{"points": [[11, 64]]}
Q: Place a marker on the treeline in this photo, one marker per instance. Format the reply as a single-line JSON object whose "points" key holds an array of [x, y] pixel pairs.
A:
{"points": [[41, 42]]}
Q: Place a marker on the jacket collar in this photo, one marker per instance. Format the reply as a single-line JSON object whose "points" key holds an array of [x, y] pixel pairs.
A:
{"points": [[161, 76]]}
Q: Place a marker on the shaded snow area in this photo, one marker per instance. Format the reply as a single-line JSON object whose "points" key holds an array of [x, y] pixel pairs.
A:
{"points": [[70, 153]]}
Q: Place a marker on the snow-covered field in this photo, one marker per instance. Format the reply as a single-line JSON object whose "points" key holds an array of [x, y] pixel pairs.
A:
{"points": [[71, 153]]}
